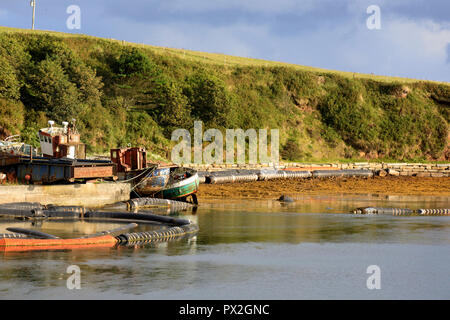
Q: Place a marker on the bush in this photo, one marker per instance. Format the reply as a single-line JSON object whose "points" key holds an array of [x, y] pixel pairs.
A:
{"points": [[133, 61], [142, 130], [355, 120], [49, 90], [172, 109], [291, 151], [209, 99], [11, 117], [57, 81]]}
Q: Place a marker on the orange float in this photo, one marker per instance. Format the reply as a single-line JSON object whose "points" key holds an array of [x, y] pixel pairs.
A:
{"points": [[11, 244]]}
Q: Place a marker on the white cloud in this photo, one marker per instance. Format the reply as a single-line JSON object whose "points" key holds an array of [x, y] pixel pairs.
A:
{"points": [[425, 42], [415, 49]]}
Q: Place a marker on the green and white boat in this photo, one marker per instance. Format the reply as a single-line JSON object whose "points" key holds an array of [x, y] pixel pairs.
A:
{"points": [[181, 184]]}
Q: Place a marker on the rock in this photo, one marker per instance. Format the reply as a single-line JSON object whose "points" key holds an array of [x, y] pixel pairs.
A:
{"points": [[423, 174], [437, 175], [382, 173], [284, 198], [393, 172]]}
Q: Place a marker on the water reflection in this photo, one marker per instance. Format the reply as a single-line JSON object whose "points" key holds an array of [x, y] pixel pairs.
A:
{"points": [[312, 243], [322, 219]]}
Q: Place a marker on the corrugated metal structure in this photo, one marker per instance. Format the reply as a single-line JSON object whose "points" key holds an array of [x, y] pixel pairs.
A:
{"points": [[129, 159]]}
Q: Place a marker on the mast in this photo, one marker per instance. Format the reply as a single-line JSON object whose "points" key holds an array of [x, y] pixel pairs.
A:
{"points": [[33, 4]]}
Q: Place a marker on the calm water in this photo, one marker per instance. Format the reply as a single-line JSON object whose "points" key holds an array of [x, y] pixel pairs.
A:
{"points": [[254, 250]]}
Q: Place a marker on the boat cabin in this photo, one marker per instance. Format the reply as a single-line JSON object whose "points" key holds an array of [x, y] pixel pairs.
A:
{"points": [[61, 142]]}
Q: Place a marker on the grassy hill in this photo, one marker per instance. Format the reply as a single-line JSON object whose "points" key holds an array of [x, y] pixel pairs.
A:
{"points": [[123, 93]]}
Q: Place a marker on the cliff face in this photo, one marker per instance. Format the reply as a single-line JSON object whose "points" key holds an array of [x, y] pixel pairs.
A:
{"points": [[124, 94]]}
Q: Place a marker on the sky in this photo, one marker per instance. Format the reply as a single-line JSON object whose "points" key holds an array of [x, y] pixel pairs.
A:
{"points": [[412, 38]]}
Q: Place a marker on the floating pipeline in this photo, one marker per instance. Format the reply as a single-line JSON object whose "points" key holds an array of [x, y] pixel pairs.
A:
{"points": [[202, 176], [42, 214], [106, 239], [15, 209], [113, 232], [26, 239], [139, 203], [282, 174], [20, 213], [42, 235], [342, 173], [33, 233], [158, 235], [88, 214], [439, 212], [34, 210], [151, 202], [137, 217], [30, 210], [22, 205], [75, 209], [230, 176], [379, 210], [400, 211]]}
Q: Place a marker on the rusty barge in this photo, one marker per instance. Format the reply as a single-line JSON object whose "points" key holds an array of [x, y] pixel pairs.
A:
{"points": [[62, 160]]}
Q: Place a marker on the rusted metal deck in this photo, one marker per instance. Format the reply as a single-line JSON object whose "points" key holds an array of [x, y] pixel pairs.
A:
{"points": [[37, 170]]}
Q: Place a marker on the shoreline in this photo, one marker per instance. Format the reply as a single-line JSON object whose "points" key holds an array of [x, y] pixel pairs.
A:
{"points": [[273, 189]]}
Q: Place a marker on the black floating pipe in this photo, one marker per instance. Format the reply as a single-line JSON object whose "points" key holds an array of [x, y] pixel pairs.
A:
{"points": [[158, 235], [33, 233], [400, 211], [137, 216], [342, 173], [71, 209], [61, 214], [113, 232], [33, 210], [117, 206], [380, 210], [27, 206], [15, 212], [146, 202], [438, 212]]}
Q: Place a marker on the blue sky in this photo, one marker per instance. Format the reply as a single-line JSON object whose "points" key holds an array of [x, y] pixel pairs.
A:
{"points": [[413, 41]]}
